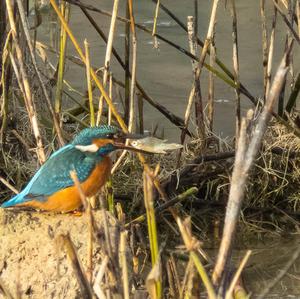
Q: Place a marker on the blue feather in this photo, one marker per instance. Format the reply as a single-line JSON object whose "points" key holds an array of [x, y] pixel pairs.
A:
{"points": [[86, 136]]}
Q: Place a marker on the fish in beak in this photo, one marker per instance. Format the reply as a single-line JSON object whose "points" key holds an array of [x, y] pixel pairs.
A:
{"points": [[145, 144], [123, 141]]}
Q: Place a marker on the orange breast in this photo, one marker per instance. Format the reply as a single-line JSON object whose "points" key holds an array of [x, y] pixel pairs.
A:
{"points": [[68, 199]]}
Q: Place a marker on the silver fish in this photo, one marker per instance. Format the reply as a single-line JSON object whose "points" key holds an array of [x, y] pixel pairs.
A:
{"points": [[155, 145]]}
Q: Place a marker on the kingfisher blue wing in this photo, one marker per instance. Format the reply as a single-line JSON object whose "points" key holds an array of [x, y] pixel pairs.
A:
{"points": [[54, 175]]}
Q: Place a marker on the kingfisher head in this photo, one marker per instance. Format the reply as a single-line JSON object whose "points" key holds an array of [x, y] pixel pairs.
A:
{"points": [[103, 140]]}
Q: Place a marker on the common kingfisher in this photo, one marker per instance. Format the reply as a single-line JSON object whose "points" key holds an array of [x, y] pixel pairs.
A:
{"points": [[52, 189]]}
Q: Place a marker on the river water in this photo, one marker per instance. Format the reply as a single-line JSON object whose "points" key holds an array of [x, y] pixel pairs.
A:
{"points": [[166, 74]]}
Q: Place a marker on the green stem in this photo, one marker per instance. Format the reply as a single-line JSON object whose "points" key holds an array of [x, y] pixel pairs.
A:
{"points": [[65, 9], [205, 279]]}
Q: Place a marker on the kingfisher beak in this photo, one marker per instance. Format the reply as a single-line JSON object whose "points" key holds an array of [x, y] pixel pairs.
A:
{"points": [[120, 142]]}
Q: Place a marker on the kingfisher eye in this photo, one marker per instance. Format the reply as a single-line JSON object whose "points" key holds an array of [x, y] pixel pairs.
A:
{"points": [[118, 135], [110, 136]]}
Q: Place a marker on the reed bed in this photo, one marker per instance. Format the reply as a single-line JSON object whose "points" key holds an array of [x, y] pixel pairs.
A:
{"points": [[163, 213]]}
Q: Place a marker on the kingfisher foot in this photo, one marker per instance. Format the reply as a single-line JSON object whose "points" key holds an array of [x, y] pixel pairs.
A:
{"points": [[77, 213]]}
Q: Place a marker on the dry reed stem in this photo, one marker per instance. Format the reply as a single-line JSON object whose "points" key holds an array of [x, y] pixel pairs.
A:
{"points": [[188, 110], [123, 263], [171, 284], [34, 62], [118, 162], [192, 40], [133, 68], [264, 43], [155, 42], [185, 281], [298, 15], [198, 100], [97, 285], [108, 53], [90, 242], [125, 64], [30, 106], [237, 275], [293, 96], [85, 287], [235, 60], [8, 185], [110, 94], [174, 277], [270, 53], [140, 104], [193, 49], [211, 86], [245, 156], [155, 18], [4, 85], [17, 74], [77, 184], [196, 17], [89, 83], [133, 83]]}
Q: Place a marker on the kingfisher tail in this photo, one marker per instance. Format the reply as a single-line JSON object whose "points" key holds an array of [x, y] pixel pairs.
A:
{"points": [[17, 199]]}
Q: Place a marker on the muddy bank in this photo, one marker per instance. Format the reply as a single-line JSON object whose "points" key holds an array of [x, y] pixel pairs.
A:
{"points": [[33, 262]]}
